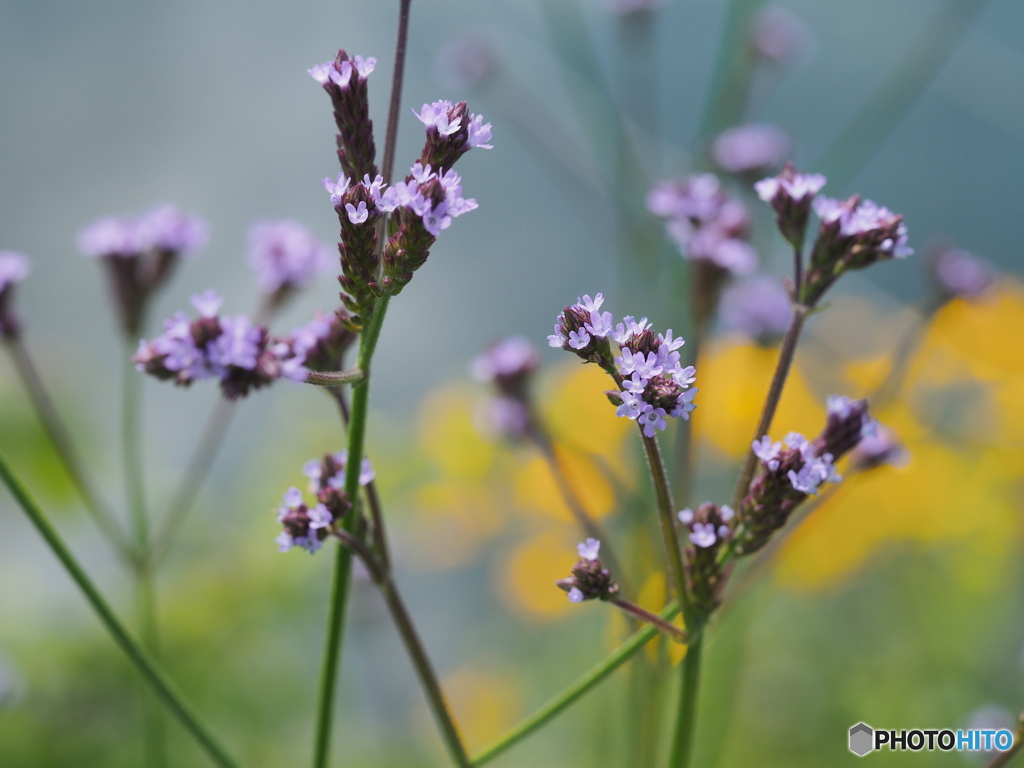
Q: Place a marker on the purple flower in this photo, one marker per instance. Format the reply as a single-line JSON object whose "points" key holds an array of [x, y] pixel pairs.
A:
{"points": [[479, 132], [880, 447], [589, 549], [110, 236], [357, 215], [167, 228], [313, 469], [686, 516], [574, 595], [703, 535], [652, 419], [578, 339], [757, 307], [436, 116], [684, 405], [14, 268], [436, 219], [237, 345], [337, 188], [207, 303], [631, 406], [285, 255], [767, 452], [591, 304], [505, 416], [959, 273], [511, 357], [750, 148]]}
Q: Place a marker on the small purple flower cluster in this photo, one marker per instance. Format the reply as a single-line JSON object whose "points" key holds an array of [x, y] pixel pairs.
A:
{"points": [[14, 268], [344, 79], [451, 132], [708, 530], [508, 366], [706, 223], [957, 273], [319, 345], [590, 580], [306, 527], [852, 234], [286, 256], [796, 468], [653, 384], [229, 348]]}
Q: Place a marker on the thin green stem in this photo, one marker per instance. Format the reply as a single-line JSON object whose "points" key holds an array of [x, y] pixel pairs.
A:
{"points": [[731, 80], [682, 745], [574, 692], [667, 516], [343, 558], [147, 666], [61, 439], [425, 671], [196, 472], [771, 404], [155, 728]]}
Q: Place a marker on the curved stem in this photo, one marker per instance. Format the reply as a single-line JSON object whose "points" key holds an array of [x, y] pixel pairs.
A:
{"points": [[61, 439], [147, 666], [771, 404], [682, 745], [343, 558], [574, 692], [667, 516]]}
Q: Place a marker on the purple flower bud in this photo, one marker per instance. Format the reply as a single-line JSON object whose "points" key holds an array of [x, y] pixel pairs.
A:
{"points": [[706, 530], [779, 36], [590, 580], [589, 549], [791, 194]]}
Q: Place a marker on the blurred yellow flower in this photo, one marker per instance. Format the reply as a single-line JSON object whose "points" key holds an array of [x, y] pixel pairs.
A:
{"points": [[452, 519], [485, 703], [578, 413], [449, 435], [537, 492], [525, 580]]}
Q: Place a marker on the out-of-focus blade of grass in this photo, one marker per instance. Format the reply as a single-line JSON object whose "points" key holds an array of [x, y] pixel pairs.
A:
{"points": [[865, 134], [727, 95]]}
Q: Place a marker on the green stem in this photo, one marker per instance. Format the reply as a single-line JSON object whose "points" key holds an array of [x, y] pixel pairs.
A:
{"points": [[61, 439], [651, 618], [682, 745], [147, 666], [667, 516], [574, 692], [343, 558], [771, 404], [334, 378], [154, 736]]}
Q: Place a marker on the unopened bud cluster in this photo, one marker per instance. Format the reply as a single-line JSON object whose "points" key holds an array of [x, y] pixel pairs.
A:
{"points": [[653, 384], [590, 580], [508, 366], [796, 468], [707, 531]]}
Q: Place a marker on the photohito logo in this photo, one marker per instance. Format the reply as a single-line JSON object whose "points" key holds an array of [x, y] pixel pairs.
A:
{"points": [[864, 739]]}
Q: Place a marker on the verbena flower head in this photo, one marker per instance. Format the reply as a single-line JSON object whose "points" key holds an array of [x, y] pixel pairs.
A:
{"points": [[957, 273], [344, 79], [707, 529], [286, 256], [327, 481], [230, 349], [879, 448], [590, 580], [304, 527], [707, 224], [451, 132], [140, 253], [319, 345], [508, 366], [795, 468], [757, 307], [750, 148], [791, 195], [653, 386], [853, 234], [14, 268]]}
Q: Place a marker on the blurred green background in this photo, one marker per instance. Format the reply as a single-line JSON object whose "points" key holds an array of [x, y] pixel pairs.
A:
{"points": [[897, 602]]}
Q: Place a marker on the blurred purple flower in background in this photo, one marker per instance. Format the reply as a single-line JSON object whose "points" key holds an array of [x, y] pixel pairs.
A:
{"points": [[752, 148], [285, 255], [464, 61], [959, 273], [757, 307], [779, 36]]}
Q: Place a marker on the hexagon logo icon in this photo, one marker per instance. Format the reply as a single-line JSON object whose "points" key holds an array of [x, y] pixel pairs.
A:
{"points": [[862, 739]]}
